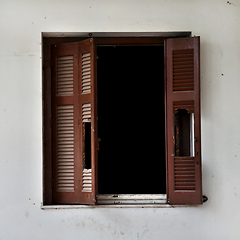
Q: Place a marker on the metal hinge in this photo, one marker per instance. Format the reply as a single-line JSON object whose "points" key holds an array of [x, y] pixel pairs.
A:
{"points": [[204, 198]]}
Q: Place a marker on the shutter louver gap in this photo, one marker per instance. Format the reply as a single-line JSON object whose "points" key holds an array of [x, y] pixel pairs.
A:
{"points": [[87, 173], [65, 75], [65, 152], [183, 74]]}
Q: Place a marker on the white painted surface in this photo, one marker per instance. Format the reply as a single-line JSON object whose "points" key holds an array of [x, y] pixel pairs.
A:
{"points": [[21, 24]]}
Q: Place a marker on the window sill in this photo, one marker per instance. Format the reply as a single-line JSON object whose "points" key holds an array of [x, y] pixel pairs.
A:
{"points": [[106, 206], [50, 207], [131, 199], [121, 201]]}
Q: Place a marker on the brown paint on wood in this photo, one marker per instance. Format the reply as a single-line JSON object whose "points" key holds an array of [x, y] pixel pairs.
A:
{"points": [[89, 46], [185, 96], [65, 195]]}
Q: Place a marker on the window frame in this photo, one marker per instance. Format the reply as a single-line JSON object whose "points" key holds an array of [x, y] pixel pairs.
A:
{"points": [[47, 118]]}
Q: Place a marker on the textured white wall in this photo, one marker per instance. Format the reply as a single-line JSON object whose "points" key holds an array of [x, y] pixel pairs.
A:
{"points": [[21, 24]]}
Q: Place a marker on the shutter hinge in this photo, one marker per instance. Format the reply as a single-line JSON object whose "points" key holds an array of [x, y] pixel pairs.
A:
{"points": [[204, 198]]}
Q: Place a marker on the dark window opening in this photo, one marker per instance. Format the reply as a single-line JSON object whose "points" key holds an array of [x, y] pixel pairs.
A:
{"points": [[131, 120]]}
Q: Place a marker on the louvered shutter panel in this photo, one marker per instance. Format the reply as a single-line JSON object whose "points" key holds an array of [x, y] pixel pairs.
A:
{"points": [[183, 92], [65, 114], [73, 105], [88, 115]]}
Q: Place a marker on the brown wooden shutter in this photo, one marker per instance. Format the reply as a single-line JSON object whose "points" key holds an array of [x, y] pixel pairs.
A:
{"points": [[183, 94], [69, 71], [88, 116]]}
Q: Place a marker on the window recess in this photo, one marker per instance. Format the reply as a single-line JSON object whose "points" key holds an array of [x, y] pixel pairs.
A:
{"points": [[145, 108]]}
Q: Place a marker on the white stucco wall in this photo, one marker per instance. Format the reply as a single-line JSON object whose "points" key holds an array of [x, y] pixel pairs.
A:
{"points": [[21, 24]]}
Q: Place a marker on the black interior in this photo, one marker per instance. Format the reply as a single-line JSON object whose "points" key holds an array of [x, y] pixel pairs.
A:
{"points": [[182, 132], [87, 145], [131, 158]]}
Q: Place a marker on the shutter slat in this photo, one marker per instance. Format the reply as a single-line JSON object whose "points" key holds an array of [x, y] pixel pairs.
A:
{"points": [[178, 81], [86, 78], [64, 67], [64, 58], [67, 156]]}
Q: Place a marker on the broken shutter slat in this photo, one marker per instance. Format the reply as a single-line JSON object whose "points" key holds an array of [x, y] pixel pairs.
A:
{"points": [[183, 121]]}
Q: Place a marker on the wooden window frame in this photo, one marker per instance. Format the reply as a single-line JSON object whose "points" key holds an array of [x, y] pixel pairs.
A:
{"points": [[47, 118]]}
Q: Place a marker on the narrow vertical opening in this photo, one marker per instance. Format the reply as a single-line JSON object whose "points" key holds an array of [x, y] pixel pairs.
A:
{"points": [[192, 150], [184, 133], [87, 145]]}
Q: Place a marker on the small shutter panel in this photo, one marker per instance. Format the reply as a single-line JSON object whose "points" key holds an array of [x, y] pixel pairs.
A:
{"points": [[88, 120], [65, 116], [183, 101]]}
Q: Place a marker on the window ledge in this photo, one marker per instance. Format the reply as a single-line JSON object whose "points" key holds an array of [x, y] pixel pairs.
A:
{"points": [[131, 199], [106, 206], [123, 201], [48, 207]]}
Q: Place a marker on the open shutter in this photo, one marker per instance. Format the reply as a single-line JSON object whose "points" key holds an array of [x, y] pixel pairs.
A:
{"points": [[72, 73], [183, 120], [88, 120]]}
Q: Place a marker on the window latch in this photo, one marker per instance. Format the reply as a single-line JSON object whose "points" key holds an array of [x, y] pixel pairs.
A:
{"points": [[99, 140]]}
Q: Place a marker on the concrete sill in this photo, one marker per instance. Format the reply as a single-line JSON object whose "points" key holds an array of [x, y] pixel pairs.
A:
{"points": [[48, 207], [123, 201]]}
